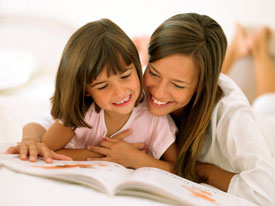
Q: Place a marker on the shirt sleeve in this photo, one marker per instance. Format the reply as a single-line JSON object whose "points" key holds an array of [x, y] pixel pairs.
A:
{"points": [[163, 135], [44, 120], [245, 148]]}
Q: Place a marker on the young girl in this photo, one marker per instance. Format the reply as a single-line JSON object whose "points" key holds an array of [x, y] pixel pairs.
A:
{"points": [[98, 93]]}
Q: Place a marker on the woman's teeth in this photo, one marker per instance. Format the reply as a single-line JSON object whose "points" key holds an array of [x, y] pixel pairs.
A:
{"points": [[124, 100], [158, 102]]}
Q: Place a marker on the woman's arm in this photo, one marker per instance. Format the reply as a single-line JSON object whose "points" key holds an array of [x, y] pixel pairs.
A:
{"points": [[214, 175]]}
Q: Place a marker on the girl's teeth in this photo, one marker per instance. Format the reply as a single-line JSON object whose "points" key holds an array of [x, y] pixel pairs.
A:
{"points": [[124, 100], [158, 102]]}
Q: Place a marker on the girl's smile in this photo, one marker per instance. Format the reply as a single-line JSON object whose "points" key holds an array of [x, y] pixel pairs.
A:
{"points": [[124, 101], [116, 92]]}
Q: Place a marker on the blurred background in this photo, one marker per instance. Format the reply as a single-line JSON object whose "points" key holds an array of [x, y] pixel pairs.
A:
{"points": [[33, 34]]}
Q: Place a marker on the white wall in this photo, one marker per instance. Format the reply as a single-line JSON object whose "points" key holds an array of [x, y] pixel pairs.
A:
{"points": [[143, 16], [38, 25]]}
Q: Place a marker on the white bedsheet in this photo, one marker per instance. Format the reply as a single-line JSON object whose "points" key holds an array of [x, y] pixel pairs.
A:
{"points": [[21, 189]]}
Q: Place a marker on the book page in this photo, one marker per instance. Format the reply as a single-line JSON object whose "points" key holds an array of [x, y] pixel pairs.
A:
{"points": [[164, 186], [100, 175]]}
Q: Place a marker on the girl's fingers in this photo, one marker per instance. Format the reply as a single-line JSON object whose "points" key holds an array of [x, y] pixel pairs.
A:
{"points": [[23, 151], [12, 150], [98, 159], [32, 152], [111, 139], [45, 152], [100, 150], [139, 146], [106, 144], [57, 156], [123, 134]]}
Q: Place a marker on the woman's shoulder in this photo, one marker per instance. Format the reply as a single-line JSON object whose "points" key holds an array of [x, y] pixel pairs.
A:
{"points": [[232, 93]]}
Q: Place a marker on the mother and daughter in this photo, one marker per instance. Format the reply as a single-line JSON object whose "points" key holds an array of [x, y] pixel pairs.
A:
{"points": [[213, 137]]}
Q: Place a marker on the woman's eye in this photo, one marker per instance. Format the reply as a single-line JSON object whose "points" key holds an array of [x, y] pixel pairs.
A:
{"points": [[152, 73], [180, 87], [125, 76]]}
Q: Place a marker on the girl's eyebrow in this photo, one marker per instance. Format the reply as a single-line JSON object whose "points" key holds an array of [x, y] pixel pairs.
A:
{"points": [[174, 80], [97, 83], [102, 82]]}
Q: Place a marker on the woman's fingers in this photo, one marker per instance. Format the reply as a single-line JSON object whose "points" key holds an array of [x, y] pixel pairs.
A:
{"points": [[123, 134]]}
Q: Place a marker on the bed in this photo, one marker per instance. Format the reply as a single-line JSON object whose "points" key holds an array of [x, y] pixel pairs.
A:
{"points": [[30, 48]]}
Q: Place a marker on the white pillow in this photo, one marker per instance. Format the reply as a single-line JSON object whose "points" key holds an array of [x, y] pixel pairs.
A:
{"points": [[16, 67]]}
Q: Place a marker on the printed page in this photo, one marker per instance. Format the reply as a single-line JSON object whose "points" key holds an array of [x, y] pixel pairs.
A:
{"points": [[100, 175], [164, 186]]}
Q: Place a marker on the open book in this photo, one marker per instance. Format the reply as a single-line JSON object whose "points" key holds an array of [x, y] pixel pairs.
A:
{"points": [[114, 179]]}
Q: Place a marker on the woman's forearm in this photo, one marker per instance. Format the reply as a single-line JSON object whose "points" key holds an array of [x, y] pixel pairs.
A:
{"points": [[214, 175]]}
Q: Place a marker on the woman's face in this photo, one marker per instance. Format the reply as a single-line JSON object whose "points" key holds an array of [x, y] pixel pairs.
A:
{"points": [[170, 83]]}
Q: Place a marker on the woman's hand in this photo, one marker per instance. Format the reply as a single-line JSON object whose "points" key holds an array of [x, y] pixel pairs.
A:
{"points": [[119, 151], [33, 148]]}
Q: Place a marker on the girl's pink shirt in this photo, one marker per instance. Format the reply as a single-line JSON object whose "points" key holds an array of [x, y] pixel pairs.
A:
{"points": [[157, 132]]}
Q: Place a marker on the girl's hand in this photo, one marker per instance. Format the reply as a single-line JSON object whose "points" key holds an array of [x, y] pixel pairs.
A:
{"points": [[33, 148], [119, 151]]}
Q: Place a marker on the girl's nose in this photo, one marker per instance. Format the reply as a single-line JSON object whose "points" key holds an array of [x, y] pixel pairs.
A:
{"points": [[118, 90]]}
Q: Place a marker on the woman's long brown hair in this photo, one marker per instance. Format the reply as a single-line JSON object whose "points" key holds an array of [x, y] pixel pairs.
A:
{"points": [[203, 39]]}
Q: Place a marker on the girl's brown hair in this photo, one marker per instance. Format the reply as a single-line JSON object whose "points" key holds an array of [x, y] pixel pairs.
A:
{"points": [[92, 47], [203, 39]]}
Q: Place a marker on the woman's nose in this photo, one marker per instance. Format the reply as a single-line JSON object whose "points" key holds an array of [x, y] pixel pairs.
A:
{"points": [[159, 90]]}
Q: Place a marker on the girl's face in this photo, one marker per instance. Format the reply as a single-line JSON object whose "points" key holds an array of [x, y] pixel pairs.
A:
{"points": [[116, 93], [170, 83]]}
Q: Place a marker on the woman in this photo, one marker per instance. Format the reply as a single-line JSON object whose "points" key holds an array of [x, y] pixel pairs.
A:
{"points": [[218, 140]]}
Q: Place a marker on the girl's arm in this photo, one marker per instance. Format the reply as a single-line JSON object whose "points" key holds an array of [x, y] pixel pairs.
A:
{"points": [[130, 154], [31, 145], [79, 154], [58, 136]]}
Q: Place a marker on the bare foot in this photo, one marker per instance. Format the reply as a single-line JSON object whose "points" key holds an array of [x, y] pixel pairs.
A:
{"points": [[241, 44], [259, 41], [142, 43]]}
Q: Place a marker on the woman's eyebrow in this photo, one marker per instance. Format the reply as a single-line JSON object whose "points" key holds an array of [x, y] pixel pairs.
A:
{"points": [[174, 80], [153, 68]]}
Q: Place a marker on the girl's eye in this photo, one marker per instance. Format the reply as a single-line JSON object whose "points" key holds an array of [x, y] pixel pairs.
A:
{"points": [[152, 73], [125, 76], [102, 87], [180, 87]]}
